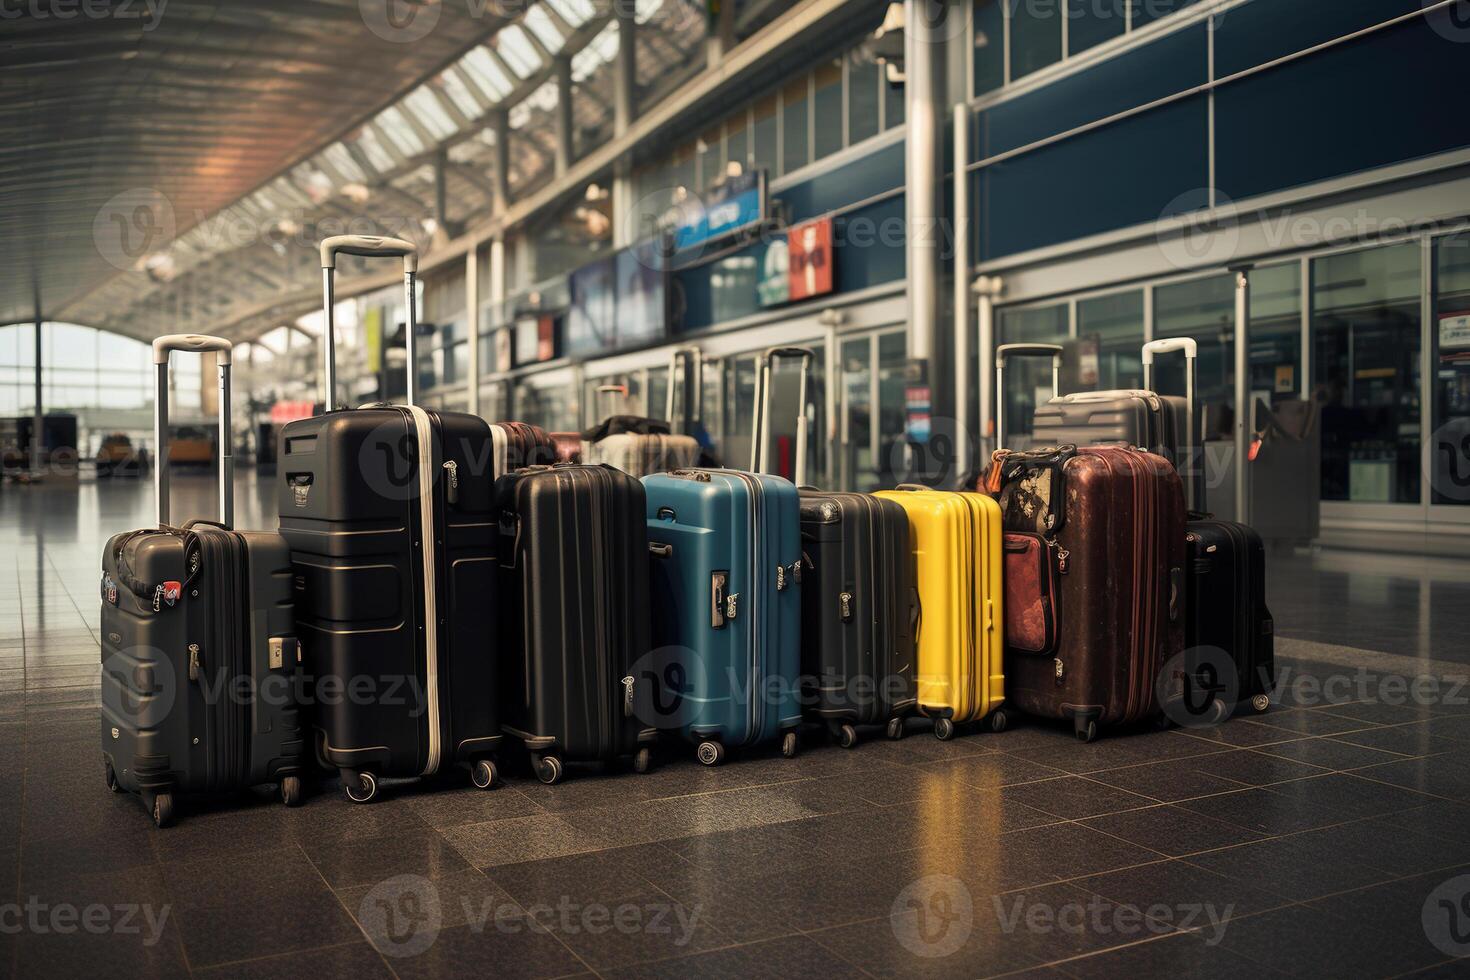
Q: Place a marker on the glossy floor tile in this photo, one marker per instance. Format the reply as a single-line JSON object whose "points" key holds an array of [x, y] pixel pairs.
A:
{"points": [[1329, 836]]}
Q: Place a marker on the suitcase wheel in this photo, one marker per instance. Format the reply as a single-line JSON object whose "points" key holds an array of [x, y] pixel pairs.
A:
{"points": [[846, 736], [360, 787], [1261, 702], [110, 774], [1086, 730], [943, 729], [789, 744], [291, 790], [482, 774], [642, 759], [163, 809], [895, 728], [999, 720], [710, 753], [548, 769]]}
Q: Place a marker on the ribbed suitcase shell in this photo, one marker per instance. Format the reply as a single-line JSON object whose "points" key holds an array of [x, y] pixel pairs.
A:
{"points": [[956, 540], [739, 675], [860, 608], [574, 609], [1226, 577], [370, 608], [641, 453], [1116, 418], [1122, 590], [162, 731]]}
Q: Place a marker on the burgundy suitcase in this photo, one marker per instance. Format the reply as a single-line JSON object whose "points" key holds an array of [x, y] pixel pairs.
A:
{"points": [[518, 444], [1112, 521]]}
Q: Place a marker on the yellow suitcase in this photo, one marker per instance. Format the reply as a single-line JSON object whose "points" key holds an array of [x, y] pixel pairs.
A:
{"points": [[957, 544]]}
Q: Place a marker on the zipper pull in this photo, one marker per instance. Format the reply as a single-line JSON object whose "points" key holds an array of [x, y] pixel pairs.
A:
{"points": [[451, 469], [194, 664], [1062, 555], [628, 696], [780, 578], [730, 605]]}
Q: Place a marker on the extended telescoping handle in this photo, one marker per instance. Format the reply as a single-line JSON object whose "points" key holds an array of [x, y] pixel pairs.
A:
{"points": [[1004, 351], [618, 392], [372, 246], [761, 434], [1191, 378], [693, 384], [199, 344]]}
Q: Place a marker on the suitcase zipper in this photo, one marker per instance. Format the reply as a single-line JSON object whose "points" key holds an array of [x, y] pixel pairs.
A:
{"points": [[451, 491], [430, 624]]}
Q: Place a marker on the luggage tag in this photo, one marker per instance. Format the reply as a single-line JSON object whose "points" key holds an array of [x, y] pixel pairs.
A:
{"points": [[169, 592], [109, 590]]}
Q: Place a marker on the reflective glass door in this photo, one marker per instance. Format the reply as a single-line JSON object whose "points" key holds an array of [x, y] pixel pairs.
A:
{"points": [[1449, 446], [869, 438]]}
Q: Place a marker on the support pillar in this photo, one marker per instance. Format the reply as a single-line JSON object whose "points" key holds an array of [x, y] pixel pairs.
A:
{"points": [[1243, 404], [500, 126], [566, 149], [721, 35], [38, 422], [472, 323]]}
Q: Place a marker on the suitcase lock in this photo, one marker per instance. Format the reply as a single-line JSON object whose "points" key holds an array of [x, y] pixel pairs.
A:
{"points": [[280, 647], [628, 696], [722, 604], [844, 603]]}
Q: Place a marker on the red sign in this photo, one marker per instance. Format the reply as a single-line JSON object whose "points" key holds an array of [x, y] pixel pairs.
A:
{"points": [[289, 411], [546, 338], [810, 257]]}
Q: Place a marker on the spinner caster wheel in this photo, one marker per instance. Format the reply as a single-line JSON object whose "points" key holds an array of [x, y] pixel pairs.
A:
{"points": [[642, 759], [1087, 732], [482, 774], [999, 720], [110, 775], [291, 790], [1261, 702], [710, 753], [360, 787], [548, 769], [943, 729], [895, 728], [789, 744], [847, 736], [163, 809]]}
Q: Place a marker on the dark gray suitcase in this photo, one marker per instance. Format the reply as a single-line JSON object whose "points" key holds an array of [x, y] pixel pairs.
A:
{"points": [[387, 511], [574, 614], [199, 656]]}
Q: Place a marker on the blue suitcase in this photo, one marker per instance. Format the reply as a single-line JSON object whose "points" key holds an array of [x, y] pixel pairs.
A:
{"points": [[726, 557]]}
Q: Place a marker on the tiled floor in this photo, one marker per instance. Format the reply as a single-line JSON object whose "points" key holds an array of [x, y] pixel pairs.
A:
{"points": [[1327, 837]]}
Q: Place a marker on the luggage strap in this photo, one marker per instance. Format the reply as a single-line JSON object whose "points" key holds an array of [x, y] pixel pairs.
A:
{"points": [[634, 424]]}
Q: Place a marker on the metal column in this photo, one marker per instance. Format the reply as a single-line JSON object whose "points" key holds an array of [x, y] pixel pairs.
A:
{"points": [[921, 41], [565, 138], [988, 289], [963, 441], [721, 36], [500, 126], [1243, 402], [38, 423], [625, 70], [472, 322]]}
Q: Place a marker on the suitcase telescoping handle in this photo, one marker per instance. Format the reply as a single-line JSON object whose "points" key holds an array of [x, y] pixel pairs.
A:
{"points": [[618, 401], [693, 387], [1004, 351], [372, 246], [199, 343], [761, 433], [1191, 377]]}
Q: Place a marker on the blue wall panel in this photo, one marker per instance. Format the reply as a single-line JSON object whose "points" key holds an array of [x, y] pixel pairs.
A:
{"points": [[1264, 30], [874, 173]]}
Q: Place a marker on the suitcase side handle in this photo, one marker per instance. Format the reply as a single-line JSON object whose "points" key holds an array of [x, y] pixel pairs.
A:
{"points": [[912, 487], [162, 347]]}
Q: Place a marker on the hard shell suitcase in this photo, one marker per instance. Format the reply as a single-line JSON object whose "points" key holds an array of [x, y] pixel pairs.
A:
{"points": [[635, 444], [956, 542], [574, 614], [199, 654], [1112, 418], [1229, 639], [1112, 520], [726, 601], [393, 541], [859, 604], [518, 444]]}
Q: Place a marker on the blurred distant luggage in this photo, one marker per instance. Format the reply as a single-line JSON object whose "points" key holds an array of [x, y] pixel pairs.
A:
{"points": [[517, 444], [568, 446], [635, 444], [393, 539], [574, 614], [199, 652]]}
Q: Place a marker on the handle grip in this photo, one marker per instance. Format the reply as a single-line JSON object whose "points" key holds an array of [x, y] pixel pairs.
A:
{"points": [[776, 353], [195, 342], [912, 487], [1168, 346], [370, 246], [1026, 350], [1054, 351]]}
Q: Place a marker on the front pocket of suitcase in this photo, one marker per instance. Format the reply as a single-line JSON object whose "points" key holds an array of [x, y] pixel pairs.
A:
{"points": [[1030, 595]]}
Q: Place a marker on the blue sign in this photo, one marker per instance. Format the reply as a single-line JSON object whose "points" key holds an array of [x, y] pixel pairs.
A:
{"points": [[737, 203]]}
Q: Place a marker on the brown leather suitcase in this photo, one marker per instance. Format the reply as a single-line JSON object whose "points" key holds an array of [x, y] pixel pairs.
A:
{"points": [[1112, 521]]}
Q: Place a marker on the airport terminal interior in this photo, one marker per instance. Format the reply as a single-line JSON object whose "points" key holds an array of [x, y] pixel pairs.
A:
{"points": [[510, 328]]}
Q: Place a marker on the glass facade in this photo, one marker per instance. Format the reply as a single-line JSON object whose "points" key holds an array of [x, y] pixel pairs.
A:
{"points": [[1449, 444], [1028, 379], [1111, 327]]}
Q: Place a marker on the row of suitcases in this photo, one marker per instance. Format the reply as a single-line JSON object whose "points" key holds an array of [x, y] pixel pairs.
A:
{"points": [[436, 606]]}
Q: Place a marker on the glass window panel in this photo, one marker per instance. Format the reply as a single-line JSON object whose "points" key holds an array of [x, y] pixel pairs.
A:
{"points": [[862, 98], [1148, 11], [1276, 331], [574, 12], [431, 113], [737, 141], [1091, 22], [1028, 379], [893, 102], [367, 142], [794, 146], [483, 69], [711, 150], [763, 155], [856, 469], [990, 64], [739, 411], [513, 46], [400, 131], [539, 23], [1365, 363], [892, 407], [1036, 36], [1114, 324], [1203, 309], [828, 109], [1450, 362]]}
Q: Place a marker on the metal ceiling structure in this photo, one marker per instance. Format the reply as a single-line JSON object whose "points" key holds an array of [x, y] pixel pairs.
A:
{"points": [[159, 174]]}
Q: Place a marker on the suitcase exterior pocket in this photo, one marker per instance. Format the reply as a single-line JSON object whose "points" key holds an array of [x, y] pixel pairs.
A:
{"points": [[726, 553], [574, 609], [1031, 594], [860, 609], [956, 540]]}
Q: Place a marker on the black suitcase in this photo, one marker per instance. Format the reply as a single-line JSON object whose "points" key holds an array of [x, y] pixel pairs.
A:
{"points": [[387, 511], [198, 652], [1229, 634], [574, 614], [859, 600]]}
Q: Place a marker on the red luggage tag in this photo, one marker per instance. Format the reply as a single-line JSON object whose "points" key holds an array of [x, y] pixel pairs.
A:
{"points": [[1255, 449], [172, 591], [109, 590]]}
